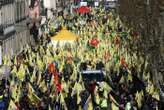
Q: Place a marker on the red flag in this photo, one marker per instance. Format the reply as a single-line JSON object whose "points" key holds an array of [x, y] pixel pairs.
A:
{"points": [[83, 9], [136, 35], [56, 78], [94, 42], [92, 87], [51, 68], [59, 87], [123, 62]]}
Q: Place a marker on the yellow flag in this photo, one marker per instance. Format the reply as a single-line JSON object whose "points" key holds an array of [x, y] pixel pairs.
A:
{"points": [[15, 60], [79, 88], [74, 74], [138, 98], [42, 50], [78, 97], [61, 99], [113, 100], [14, 70], [105, 94], [65, 86], [114, 107], [39, 62], [130, 77], [18, 93], [61, 66], [156, 96], [90, 105], [14, 91], [12, 105], [52, 80], [74, 89], [6, 60], [150, 88], [30, 88], [21, 72], [97, 99], [49, 107], [32, 96], [122, 80], [30, 60], [43, 86], [39, 78], [33, 55], [33, 78], [104, 103], [106, 87]]}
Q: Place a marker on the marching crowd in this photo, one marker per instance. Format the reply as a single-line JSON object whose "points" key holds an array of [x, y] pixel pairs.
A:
{"points": [[45, 77]]}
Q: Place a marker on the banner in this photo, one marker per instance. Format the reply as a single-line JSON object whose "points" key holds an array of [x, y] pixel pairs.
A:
{"points": [[83, 3], [96, 4]]}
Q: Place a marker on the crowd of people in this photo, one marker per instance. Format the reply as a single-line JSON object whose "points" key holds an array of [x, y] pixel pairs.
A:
{"points": [[45, 77]]}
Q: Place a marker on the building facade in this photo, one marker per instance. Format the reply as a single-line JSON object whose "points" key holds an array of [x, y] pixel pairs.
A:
{"points": [[21, 9], [13, 31]]}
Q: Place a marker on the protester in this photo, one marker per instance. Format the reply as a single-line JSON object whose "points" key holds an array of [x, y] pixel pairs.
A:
{"points": [[49, 78]]}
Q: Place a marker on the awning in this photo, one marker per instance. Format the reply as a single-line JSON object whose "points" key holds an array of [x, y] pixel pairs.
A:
{"points": [[64, 35]]}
